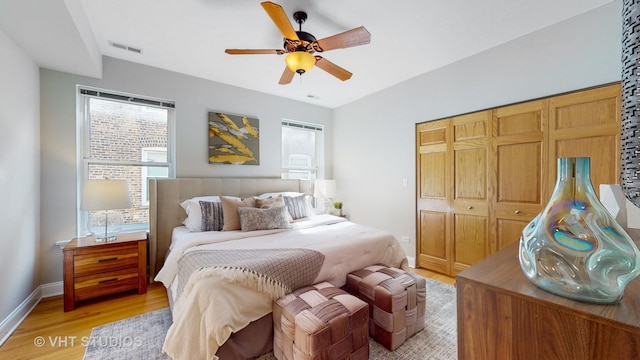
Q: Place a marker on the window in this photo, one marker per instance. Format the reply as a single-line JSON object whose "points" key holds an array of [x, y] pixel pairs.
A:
{"points": [[157, 155], [302, 150], [124, 137]]}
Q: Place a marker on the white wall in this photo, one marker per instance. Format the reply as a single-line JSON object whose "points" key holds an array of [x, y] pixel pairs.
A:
{"points": [[19, 176], [374, 137], [193, 97]]}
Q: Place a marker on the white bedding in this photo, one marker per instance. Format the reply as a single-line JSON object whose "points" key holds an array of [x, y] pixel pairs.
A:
{"points": [[212, 306]]}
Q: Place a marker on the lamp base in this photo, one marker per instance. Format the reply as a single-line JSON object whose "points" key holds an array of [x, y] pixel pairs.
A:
{"points": [[105, 225], [102, 238]]}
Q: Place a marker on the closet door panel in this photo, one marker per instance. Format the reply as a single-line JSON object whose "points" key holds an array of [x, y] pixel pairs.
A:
{"points": [[519, 152], [432, 184], [433, 241], [470, 246], [433, 167], [518, 172], [587, 124], [603, 154], [470, 242], [509, 231]]}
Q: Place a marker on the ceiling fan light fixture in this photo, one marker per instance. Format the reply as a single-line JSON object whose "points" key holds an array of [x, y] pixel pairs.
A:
{"points": [[300, 61], [300, 46]]}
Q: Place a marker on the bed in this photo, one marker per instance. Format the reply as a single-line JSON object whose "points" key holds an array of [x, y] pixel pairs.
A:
{"points": [[224, 310]]}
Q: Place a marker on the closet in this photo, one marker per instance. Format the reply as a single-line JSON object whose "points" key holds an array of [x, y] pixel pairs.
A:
{"points": [[481, 177]]}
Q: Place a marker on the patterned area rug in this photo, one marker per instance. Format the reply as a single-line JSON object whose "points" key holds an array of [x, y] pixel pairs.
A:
{"points": [[141, 337]]}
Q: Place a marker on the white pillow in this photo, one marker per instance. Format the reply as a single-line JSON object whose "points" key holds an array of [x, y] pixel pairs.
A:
{"points": [[276, 194], [193, 222]]}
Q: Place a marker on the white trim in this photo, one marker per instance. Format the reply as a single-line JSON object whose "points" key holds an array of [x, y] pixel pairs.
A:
{"points": [[17, 316], [411, 262], [62, 243], [52, 289]]}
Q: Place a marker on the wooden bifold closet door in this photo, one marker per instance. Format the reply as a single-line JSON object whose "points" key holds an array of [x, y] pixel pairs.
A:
{"points": [[521, 171], [482, 177], [434, 174]]}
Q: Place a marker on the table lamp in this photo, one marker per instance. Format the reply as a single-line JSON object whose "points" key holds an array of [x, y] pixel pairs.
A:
{"points": [[100, 196], [324, 191]]}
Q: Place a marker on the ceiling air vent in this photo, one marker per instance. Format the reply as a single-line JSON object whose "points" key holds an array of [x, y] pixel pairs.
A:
{"points": [[125, 47]]}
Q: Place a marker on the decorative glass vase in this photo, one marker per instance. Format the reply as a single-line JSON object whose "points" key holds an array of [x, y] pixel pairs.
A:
{"points": [[574, 248]]}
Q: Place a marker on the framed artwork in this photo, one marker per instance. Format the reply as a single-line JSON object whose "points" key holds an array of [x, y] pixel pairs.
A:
{"points": [[233, 139]]}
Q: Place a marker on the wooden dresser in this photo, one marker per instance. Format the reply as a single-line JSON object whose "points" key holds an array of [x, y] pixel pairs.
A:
{"points": [[502, 315], [93, 269]]}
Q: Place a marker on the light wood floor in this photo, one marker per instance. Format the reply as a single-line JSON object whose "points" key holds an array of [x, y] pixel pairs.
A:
{"points": [[60, 335], [435, 276], [62, 332]]}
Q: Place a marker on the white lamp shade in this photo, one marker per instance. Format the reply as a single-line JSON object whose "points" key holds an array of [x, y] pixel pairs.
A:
{"points": [[105, 194], [325, 188]]}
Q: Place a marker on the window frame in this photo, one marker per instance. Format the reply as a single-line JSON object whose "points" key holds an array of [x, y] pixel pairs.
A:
{"points": [[83, 131], [317, 170], [144, 194]]}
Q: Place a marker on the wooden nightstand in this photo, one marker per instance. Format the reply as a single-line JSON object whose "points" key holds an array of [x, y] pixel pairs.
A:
{"points": [[94, 269]]}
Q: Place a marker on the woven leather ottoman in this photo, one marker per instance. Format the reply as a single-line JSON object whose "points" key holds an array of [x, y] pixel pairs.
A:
{"points": [[320, 322], [396, 301]]}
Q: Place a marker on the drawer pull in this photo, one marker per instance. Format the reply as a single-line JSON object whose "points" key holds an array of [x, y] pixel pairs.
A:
{"points": [[107, 259], [469, 207], [107, 281], [517, 212]]}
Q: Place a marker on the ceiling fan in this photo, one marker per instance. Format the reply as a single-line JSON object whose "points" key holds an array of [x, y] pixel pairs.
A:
{"points": [[300, 46]]}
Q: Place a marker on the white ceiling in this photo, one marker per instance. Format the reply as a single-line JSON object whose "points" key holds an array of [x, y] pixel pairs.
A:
{"points": [[408, 37]]}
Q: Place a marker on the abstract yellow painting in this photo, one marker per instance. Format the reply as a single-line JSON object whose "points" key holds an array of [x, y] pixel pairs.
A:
{"points": [[233, 139]]}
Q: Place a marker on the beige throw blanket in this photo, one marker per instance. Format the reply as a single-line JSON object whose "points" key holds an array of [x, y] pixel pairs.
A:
{"points": [[263, 273]]}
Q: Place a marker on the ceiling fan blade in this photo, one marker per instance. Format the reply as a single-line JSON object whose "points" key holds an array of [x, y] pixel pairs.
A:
{"points": [[254, 51], [287, 76], [279, 17], [349, 38], [332, 68]]}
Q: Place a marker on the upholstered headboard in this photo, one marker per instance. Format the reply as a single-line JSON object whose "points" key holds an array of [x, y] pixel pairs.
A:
{"points": [[165, 196]]}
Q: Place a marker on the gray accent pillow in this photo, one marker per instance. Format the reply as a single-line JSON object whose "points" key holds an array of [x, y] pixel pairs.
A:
{"points": [[297, 206], [269, 202], [212, 219], [252, 219]]}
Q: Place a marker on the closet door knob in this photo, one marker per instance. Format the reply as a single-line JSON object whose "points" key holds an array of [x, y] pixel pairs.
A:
{"points": [[517, 212]]}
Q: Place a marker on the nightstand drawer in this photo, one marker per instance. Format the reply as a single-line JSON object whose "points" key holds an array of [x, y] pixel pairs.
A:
{"points": [[105, 283], [113, 259]]}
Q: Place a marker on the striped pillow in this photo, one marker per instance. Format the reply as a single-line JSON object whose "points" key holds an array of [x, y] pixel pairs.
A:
{"points": [[212, 219], [297, 206]]}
